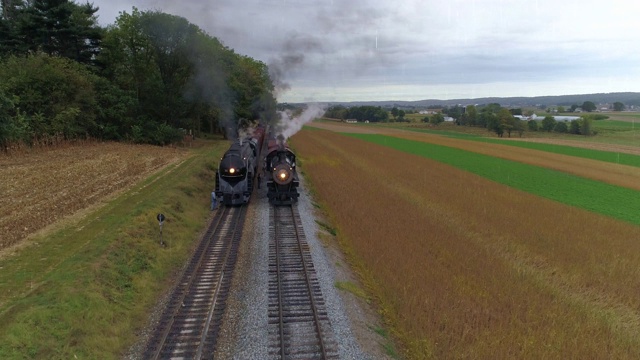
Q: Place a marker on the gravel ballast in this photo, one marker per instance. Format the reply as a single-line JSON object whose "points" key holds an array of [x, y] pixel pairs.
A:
{"points": [[244, 332]]}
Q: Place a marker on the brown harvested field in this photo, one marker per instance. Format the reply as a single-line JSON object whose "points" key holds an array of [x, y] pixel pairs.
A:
{"points": [[42, 187], [466, 268], [615, 174]]}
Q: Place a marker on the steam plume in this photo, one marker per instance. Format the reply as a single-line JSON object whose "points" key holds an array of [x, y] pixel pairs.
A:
{"points": [[291, 124]]}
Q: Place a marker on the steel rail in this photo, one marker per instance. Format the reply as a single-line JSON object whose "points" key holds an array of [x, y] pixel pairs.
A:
{"points": [[209, 237], [316, 319], [205, 331]]}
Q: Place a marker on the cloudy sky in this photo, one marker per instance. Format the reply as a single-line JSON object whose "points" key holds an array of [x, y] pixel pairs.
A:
{"points": [[350, 50]]}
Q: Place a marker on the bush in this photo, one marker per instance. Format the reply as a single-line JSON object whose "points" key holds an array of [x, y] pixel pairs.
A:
{"points": [[532, 125], [548, 123], [574, 127], [561, 127], [55, 95]]}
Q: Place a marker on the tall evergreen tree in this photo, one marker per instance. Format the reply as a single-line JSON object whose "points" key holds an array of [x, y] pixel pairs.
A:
{"points": [[10, 42], [62, 28]]}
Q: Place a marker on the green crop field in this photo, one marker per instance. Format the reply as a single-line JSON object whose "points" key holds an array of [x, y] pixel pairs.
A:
{"points": [[600, 155], [599, 197]]}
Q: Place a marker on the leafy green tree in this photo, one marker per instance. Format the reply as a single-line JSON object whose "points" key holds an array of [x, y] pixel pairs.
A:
{"points": [[561, 109], [115, 110], [516, 111], [560, 127], [574, 127], [470, 116], [505, 123], [394, 113], [485, 118], [401, 115], [519, 126], [532, 125], [367, 112], [548, 123], [436, 119], [454, 112], [55, 95], [8, 133], [585, 125], [494, 123], [618, 106], [158, 73], [589, 106], [573, 108], [492, 107], [336, 112], [183, 78]]}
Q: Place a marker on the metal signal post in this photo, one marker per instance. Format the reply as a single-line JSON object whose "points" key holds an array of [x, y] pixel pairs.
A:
{"points": [[161, 218]]}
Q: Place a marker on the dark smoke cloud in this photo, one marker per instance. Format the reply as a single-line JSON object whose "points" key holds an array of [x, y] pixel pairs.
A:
{"points": [[291, 60], [210, 85], [319, 40]]}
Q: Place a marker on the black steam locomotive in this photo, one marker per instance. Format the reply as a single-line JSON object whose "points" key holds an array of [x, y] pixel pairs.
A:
{"points": [[238, 168], [281, 174]]}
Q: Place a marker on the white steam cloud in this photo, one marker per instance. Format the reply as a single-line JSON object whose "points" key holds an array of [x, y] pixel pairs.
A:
{"points": [[292, 123]]}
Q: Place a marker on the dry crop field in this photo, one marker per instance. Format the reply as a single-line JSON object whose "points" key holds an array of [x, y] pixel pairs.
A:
{"points": [[41, 187], [463, 267]]}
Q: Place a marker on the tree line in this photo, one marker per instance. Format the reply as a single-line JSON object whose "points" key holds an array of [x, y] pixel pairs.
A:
{"points": [[495, 118], [359, 113], [148, 78], [501, 120]]}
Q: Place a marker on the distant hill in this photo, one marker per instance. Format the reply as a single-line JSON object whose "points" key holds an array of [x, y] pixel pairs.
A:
{"points": [[627, 98]]}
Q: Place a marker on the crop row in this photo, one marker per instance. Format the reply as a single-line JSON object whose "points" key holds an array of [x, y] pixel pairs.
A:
{"points": [[597, 196], [593, 154], [466, 267]]}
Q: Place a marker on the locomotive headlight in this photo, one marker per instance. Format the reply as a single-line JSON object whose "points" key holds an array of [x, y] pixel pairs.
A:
{"points": [[282, 174], [232, 171]]}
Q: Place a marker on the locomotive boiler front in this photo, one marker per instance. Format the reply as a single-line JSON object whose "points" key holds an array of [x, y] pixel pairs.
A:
{"points": [[283, 169], [233, 176], [283, 183], [232, 169]]}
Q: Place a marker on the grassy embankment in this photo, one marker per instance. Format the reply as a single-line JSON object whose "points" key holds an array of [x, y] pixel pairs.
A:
{"points": [[85, 290], [463, 266]]}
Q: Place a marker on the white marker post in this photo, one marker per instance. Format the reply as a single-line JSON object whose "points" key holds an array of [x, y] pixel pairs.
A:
{"points": [[161, 218]]}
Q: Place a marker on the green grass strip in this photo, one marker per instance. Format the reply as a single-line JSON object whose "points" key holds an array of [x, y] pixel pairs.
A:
{"points": [[615, 201], [85, 291], [599, 155]]}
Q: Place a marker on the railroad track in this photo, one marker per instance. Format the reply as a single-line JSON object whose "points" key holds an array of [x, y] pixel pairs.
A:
{"points": [[299, 327], [189, 326]]}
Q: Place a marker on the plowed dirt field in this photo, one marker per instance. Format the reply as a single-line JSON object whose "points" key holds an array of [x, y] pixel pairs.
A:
{"points": [[40, 188]]}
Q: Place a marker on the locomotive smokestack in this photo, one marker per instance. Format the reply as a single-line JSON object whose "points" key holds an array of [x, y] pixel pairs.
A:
{"points": [[280, 141]]}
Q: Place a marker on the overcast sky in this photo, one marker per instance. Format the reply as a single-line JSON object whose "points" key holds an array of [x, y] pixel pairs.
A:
{"points": [[350, 50]]}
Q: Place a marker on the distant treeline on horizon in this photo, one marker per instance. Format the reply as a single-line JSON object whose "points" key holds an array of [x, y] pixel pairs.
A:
{"points": [[627, 98]]}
